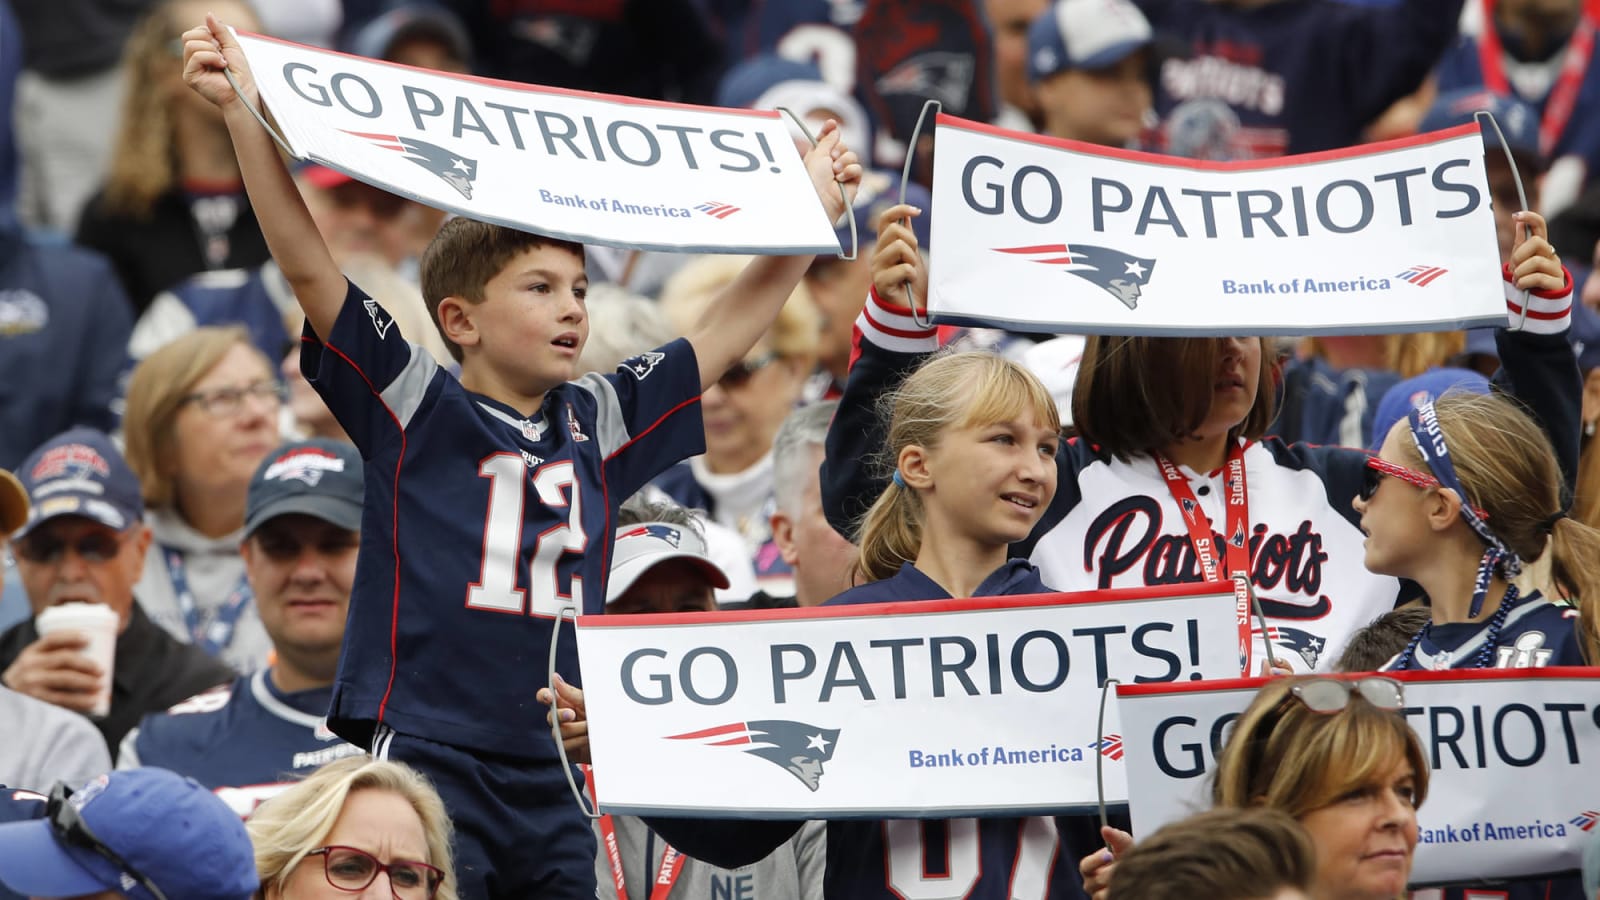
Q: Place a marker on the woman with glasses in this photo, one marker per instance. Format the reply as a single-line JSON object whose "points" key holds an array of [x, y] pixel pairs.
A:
{"points": [[1337, 756], [732, 481], [1464, 492], [354, 825], [1174, 479], [202, 412]]}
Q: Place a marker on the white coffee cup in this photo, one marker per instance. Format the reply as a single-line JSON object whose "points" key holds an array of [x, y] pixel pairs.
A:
{"points": [[97, 622]]}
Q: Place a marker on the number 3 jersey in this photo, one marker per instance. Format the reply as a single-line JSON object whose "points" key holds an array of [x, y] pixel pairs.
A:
{"points": [[479, 524]]}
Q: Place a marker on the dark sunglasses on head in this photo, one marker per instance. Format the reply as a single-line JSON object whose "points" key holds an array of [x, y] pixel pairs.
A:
{"points": [[93, 547], [741, 372], [70, 829]]}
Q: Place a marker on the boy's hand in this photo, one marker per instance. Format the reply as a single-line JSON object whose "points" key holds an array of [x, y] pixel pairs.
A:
{"points": [[895, 260], [830, 163], [1534, 263], [207, 50]]}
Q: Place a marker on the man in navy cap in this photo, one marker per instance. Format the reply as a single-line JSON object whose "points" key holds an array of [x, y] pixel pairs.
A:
{"points": [[1090, 62], [84, 542], [147, 834], [302, 527]]}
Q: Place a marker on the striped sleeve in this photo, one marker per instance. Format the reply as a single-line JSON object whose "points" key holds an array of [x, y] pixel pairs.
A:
{"points": [[1548, 312], [891, 326]]}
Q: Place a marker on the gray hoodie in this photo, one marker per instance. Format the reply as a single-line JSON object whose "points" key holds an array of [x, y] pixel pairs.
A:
{"points": [[791, 872]]}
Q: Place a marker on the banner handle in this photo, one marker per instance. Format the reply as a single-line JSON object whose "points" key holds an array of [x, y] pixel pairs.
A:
{"points": [[849, 207], [1100, 756], [1266, 639], [921, 321], [1522, 195], [271, 132], [555, 713]]}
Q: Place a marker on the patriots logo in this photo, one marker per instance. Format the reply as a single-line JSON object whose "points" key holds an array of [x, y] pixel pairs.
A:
{"points": [[796, 747], [1308, 645], [305, 464], [1188, 505], [380, 320], [940, 75], [1238, 537], [456, 170], [1586, 820], [1109, 746], [643, 364], [1121, 275], [662, 532]]}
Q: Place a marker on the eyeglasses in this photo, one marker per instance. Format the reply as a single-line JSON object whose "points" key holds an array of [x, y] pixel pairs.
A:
{"points": [[68, 827], [349, 869], [740, 373], [93, 547], [224, 402], [1377, 468], [1332, 695]]}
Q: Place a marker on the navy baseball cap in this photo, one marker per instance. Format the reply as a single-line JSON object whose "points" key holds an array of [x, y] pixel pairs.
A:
{"points": [[1518, 121], [413, 21], [173, 831], [1085, 34], [319, 478], [1398, 401], [639, 548], [80, 473]]}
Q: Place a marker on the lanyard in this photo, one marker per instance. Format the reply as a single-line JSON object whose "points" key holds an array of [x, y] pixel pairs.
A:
{"points": [[1563, 96], [671, 860], [214, 634], [1237, 564]]}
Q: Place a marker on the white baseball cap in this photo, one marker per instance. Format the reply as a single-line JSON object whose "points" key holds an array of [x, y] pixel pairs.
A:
{"points": [[1085, 34], [639, 548]]}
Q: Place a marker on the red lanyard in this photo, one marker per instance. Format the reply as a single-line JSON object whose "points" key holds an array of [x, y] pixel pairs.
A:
{"points": [[1238, 539], [671, 860], [1563, 96]]}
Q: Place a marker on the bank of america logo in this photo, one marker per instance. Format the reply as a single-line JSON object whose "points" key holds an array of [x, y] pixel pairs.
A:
{"points": [[1109, 746], [716, 209], [1421, 276], [1586, 820]]}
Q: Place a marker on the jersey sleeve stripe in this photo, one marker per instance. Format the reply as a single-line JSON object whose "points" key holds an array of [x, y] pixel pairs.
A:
{"points": [[1548, 312]]}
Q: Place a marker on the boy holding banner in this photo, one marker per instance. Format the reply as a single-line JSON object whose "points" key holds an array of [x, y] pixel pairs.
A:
{"points": [[489, 498]]}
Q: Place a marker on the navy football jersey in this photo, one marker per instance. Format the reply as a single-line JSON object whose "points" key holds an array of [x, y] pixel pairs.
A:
{"points": [[1536, 633], [480, 524], [246, 741]]}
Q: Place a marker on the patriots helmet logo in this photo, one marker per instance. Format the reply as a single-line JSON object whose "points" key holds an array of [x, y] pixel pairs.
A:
{"points": [[1121, 275], [656, 530], [456, 170], [796, 747], [1308, 645]]}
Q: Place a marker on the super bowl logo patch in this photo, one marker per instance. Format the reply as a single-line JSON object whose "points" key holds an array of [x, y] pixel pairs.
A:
{"points": [[572, 425], [796, 747]]}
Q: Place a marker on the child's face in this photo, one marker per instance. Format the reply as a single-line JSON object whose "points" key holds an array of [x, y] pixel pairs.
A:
{"points": [[532, 321], [1237, 380], [1394, 520], [992, 482]]}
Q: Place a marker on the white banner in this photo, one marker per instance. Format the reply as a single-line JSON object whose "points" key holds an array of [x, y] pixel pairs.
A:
{"points": [[1514, 754], [588, 167], [937, 708], [1047, 235]]}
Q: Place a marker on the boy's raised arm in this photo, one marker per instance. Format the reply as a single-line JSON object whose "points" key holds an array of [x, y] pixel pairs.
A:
{"points": [[291, 234], [747, 307]]}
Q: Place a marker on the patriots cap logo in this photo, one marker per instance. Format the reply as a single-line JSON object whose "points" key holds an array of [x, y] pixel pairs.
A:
{"points": [[796, 747], [941, 75], [456, 170], [656, 530], [1121, 275], [1308, 645]]}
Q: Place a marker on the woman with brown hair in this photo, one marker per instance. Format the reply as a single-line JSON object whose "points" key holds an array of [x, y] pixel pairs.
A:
{"points": [[1173, 479], [173, 202], [202, 412]]}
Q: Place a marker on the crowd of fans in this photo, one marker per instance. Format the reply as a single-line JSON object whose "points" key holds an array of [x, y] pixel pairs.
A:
{"points": [[188, 454]]}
